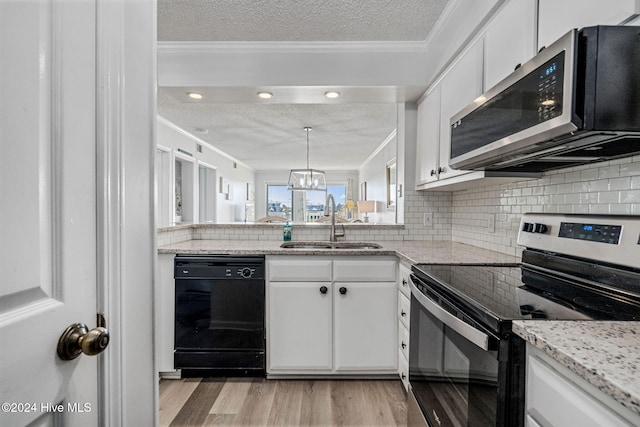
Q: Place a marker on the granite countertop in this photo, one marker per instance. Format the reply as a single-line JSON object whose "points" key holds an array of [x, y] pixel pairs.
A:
{"points": [[606, 354], [408, 251]]}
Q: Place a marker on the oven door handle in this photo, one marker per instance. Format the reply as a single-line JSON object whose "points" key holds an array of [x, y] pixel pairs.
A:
{"points": [[470, 333]]}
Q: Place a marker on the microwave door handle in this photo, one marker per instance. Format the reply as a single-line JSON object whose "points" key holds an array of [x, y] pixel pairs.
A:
{"points": [[470, 333]]}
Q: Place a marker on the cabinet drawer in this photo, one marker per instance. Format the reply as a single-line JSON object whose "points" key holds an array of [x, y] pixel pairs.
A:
{"points": [[404, 305], [383, 270], [403, 370], [305, 270], [403, 282], [403, 340]]}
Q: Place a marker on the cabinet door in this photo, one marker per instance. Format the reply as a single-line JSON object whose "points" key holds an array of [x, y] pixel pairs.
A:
{"points": [[554, 400], [300, 326], [428, 139], [510, 40], [366, 326], [555, 18], [459, 87]]}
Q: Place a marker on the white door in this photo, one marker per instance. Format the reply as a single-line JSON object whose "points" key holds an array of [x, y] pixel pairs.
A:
{"points": [[47, 210]]}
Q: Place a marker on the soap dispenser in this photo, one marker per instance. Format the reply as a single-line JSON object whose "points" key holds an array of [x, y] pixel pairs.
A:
{"points": [[286, 231]]}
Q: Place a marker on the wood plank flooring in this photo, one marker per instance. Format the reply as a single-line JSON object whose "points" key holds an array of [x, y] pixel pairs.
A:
{"points": [[262, 402]]}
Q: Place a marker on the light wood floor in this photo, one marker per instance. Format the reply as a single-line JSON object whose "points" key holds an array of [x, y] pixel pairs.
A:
{"points": [[261, 402]]}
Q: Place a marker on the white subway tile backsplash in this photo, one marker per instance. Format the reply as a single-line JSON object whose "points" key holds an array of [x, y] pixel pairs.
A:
{"points": [[603, 188]]}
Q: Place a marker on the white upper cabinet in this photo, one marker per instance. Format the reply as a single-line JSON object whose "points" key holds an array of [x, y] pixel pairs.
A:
{"points": [[428, 148], [461, 84], [555, 17], [459, 87], [509, 40]]}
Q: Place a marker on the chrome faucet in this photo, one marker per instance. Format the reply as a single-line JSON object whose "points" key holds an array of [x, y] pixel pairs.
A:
{"points": [[333, 237]]}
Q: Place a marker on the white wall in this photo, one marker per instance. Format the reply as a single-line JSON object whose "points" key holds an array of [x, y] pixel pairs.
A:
{"points": [[236, 173], [373, 172]]}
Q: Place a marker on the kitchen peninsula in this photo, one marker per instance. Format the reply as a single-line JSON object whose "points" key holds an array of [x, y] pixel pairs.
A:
{"points": [[605, 371]]}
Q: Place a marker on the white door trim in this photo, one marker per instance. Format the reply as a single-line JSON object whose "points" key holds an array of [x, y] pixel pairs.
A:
{"points": [[126, 112]]}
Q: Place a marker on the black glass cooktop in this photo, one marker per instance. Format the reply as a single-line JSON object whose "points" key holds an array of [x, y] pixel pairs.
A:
{"points": [[497, 294]]}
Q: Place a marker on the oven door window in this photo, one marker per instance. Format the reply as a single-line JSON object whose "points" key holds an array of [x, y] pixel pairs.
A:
{"points": [[455, 382]]}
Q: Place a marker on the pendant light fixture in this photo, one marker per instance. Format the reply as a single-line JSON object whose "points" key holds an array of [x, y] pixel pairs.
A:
{"points": [[307, 179]]}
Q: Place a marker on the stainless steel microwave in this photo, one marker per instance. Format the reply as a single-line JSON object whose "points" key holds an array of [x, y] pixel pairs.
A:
{"points": [[575, 102]]}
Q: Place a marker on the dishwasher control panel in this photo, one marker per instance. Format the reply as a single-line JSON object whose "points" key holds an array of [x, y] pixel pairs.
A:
{"points": [[219, 267]]}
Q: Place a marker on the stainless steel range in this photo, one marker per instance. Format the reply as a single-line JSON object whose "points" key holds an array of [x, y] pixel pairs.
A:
{"points": [[466, 368]]}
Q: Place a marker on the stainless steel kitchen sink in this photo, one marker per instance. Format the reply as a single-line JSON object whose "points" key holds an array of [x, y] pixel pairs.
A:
{"points": [[330, 245]]}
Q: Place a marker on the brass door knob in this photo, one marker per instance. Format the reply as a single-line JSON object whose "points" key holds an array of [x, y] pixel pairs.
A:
{"points": [[78, 339]]}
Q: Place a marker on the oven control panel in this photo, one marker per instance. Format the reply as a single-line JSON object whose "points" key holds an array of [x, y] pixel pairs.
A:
{"points": [[607, 238], [593, 232]]}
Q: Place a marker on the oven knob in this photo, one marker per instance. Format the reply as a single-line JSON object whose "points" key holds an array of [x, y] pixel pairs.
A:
{"points": [[528, 227], [246, 272], [539, 228]]}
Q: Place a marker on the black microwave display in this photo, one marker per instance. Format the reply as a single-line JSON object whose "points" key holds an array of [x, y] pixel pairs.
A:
{"points": [[534, 99]]}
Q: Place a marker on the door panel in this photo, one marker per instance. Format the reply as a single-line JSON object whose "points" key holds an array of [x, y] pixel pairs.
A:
{"points": [[366, 326], [48, 215], [300, 326]]}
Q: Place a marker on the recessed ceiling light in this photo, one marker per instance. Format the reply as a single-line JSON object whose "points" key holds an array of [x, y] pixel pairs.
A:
{"points": [[202, 131], [331, 94], [265, 95], [194, 95]]}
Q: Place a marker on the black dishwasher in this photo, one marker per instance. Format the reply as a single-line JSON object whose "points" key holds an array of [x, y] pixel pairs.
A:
{"points": [[219, 325]]}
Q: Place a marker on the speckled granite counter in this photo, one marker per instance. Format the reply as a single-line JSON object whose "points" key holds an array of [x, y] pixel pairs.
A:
{"points": [[408, 251], [606, 354]]}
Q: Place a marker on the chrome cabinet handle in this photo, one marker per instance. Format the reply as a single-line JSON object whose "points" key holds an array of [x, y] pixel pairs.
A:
{"points": [[403, 313], [433, 172], [403, 345], [404, 282]]}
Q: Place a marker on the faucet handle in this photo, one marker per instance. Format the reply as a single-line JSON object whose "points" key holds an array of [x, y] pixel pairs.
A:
{"points": [[341, 233]]}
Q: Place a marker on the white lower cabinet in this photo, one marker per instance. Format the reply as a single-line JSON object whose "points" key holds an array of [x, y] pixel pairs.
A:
{"points": [[324, 325], [557, 397], [365, 328], [300, 326]]}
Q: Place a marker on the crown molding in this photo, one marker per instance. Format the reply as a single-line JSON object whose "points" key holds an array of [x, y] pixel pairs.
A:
{"points": [[204, 143]]}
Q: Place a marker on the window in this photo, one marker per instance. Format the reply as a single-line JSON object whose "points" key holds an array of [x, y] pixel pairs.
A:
{"points": [[315, 201], [279, 201]]}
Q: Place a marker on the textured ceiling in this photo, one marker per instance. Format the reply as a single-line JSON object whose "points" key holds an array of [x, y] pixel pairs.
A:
{"points": [[297, 20], [271, 136]]}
